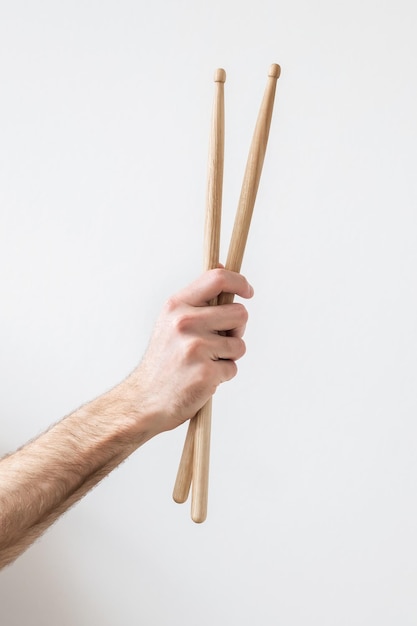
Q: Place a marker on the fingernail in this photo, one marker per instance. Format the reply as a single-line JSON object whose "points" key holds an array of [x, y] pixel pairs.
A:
{"points": [[252, 291]]}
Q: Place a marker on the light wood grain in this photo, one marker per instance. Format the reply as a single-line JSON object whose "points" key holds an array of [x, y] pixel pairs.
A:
{"points": [[185, 468], [201, 464], [251, 179], [195, 459]]}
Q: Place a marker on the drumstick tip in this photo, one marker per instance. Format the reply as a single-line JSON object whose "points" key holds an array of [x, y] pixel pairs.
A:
{"points": [[274, 71], [220, 76]]}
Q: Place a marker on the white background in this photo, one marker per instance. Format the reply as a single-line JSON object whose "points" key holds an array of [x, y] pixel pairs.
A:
{"points": [[104, 118]]}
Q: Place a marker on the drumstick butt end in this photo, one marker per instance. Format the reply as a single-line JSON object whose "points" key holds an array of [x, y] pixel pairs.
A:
{"points": [[179, 498], [199, 517], [220, 76], [274, 71]]}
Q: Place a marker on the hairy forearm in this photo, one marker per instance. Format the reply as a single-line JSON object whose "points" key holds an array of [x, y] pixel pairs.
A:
{"points": [[20, 542], [42, 480], [193, 350]]}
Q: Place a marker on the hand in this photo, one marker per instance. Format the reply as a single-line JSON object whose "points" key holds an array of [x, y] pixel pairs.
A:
{"points": [[187, 358]]}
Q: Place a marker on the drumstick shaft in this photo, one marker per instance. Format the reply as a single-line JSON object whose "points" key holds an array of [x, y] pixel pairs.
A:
{"points": [[185, 468], [251, 179], [195, 459], [202, 433], [215, 177], [201, 464]]}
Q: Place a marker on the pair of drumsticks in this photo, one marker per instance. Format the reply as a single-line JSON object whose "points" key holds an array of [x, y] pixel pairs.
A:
{"points": [[194, 463]]}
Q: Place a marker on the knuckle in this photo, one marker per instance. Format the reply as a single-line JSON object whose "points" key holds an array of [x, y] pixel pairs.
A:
{"points": [[204, 374], [182, 321], [242, 347], [241, 312], [237, 347], [171, 304], [231, 370], [218, 278], [205, 378], [193, 349]]}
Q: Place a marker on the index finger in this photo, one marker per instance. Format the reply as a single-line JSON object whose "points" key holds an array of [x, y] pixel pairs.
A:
{"points": [[212, 283]]}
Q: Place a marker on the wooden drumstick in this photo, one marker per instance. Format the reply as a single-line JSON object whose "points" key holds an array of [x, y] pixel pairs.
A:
{"points": [[194, 464], [251, 179]]}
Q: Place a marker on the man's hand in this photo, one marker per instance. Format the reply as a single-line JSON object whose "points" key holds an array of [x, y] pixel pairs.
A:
{"points": [[192, 350]]}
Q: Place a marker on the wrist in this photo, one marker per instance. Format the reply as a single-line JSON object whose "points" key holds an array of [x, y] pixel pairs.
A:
{"points": [[128, 412]]}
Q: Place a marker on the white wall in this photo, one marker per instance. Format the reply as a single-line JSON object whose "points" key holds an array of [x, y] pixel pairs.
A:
{"points": [[104, 118]]}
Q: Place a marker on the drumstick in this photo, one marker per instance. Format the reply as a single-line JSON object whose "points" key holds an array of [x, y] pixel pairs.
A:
{"points": [[194, 464], [251, 179]]}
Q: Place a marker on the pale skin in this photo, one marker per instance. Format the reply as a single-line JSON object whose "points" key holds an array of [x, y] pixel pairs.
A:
{"points": [[193, 349]]}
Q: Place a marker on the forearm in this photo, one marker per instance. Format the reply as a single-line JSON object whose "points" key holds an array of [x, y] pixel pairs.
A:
{"points": [[42, 480], [17, 545]]}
